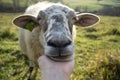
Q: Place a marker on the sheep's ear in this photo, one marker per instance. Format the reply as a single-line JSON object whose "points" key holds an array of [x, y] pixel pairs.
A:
{"points": [[25, 21], [86, 19]]}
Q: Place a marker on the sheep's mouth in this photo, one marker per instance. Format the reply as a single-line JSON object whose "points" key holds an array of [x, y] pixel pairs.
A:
{"points": [[61, 58], [60, 54]]}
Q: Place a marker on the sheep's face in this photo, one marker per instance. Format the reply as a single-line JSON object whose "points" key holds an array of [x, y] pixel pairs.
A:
{"points": [[57, 30], [56, 25]]}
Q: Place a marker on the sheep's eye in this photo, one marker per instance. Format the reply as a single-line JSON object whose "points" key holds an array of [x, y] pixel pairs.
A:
{"points": [[74, 19], [39, 18]]}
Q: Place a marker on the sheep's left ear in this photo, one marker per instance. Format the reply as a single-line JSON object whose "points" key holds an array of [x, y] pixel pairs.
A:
{"points": [[86, 19], [27, 22]]}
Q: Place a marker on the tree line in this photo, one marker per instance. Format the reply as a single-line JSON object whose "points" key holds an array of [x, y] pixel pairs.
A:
{"points": [[19, 5]]}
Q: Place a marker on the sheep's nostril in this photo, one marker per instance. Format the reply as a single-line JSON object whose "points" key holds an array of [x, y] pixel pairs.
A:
{"points": [[66, 43], [59, 44], [53, 44]]}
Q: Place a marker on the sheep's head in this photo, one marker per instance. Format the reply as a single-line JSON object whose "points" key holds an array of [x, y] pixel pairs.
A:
{"points": [[56, 24]]}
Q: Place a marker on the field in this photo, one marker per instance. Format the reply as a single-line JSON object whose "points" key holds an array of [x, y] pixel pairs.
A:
{"points": [[97, 55]]}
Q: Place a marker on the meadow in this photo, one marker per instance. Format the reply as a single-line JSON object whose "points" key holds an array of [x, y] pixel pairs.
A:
{"points": [[97, 55]]}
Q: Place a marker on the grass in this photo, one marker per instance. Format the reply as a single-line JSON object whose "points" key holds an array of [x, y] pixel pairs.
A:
{"points": [[98, 51], [97, 55]]}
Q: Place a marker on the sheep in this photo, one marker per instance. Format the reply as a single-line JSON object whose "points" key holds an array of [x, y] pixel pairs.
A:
{"points": [[48, 28]]}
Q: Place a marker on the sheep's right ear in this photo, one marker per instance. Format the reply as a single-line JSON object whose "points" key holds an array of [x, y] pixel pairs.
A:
{"points": [[26, 21]]}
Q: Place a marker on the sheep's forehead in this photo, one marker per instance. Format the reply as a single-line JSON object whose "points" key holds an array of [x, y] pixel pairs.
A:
{"points": [[58, 9]]}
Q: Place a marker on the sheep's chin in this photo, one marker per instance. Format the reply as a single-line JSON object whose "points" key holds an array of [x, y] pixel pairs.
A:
{"points": [[61, 58]]}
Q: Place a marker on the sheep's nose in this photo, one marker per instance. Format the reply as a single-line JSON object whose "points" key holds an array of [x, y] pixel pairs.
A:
{"points": [[59, 44]]}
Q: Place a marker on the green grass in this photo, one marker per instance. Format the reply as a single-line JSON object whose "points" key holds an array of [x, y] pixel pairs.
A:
{"points": [[97, 55], [98, 51]]}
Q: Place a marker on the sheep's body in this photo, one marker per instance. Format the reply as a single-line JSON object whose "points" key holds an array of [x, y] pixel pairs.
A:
{"points": [[30, 45], [47, 28], [29, 41], [34, 9]]}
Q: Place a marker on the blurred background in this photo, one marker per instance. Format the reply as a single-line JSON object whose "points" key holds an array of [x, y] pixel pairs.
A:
{"points": [[97, 55], [102, 7]]}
